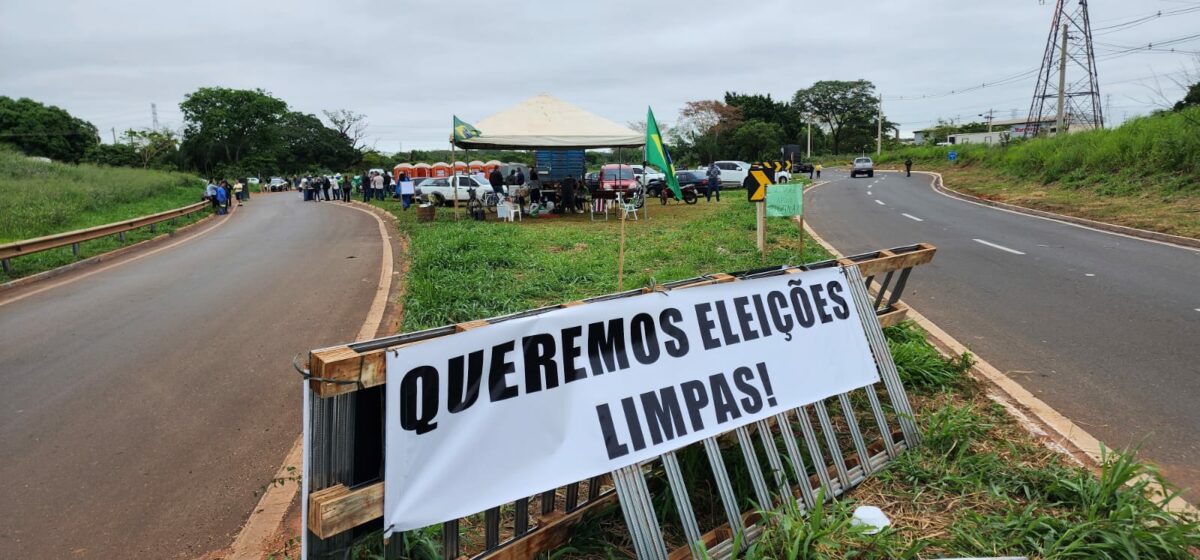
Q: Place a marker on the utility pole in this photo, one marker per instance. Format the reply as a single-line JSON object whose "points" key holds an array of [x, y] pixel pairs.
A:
{"points": [[989, 118], [114, 133], [1062, 81], [154, 115], [879, 128], [810, 138]]}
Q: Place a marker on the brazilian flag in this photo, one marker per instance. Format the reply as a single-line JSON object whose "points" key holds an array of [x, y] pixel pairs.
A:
{"points": [[464, 131], [657, 154]]}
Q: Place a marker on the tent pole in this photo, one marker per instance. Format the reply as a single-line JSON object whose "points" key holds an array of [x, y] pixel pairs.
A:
{"points": [[454, 176], [645, 175], [621, 245]]}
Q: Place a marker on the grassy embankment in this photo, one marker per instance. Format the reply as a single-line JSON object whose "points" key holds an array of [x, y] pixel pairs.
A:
{"points": [[980, 484], [38, 199], [1143, 174]]}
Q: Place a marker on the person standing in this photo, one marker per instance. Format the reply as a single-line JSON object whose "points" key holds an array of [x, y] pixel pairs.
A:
{"points": [[222, 197], [337, 187], [325, 186], [520, 177], [405, 197], [210, 194], [817, 167], [908, 167], [365, 181], [496, 178], [377, 185], [238, 187], [714, 182], [347, 188], [569, 184]]}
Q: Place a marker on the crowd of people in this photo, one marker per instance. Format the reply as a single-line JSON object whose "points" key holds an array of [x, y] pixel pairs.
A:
{"points": [[221, 194]]}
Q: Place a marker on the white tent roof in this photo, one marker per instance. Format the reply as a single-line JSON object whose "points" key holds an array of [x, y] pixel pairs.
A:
{"points": [[544, 121]]}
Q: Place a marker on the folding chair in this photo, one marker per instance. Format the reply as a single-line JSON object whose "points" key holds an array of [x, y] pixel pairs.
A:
{"points": [[599, 205], [627, 208], [512, 210]]}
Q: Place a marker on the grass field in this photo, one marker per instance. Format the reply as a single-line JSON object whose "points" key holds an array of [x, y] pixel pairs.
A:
{"points": [[980, 485], [1144, 174], [38, 199]]}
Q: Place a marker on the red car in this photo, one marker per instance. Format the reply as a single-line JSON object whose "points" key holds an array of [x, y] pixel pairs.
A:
{"points": [[616, 177]]}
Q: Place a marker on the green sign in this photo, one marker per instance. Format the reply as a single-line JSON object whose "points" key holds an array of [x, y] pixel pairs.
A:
{"points": [[785, 200]]}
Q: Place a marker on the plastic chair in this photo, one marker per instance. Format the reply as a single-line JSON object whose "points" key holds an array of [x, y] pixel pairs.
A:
{"points": [[627, 208], [512, 210]]}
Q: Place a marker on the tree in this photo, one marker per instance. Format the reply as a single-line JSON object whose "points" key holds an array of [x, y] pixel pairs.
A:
{"points": [[841, 106], [700, 127], [222, 126], [1192, 99], [757, 140], [152, 146], [46, 131], [763, 108], [305, 142], [349, 124], [114, 155]]}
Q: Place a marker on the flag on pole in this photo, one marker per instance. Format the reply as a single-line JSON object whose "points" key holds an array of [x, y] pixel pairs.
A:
{"points": [[657, 154], [464, 130]]}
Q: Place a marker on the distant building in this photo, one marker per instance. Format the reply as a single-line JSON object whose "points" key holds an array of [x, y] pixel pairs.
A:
{"points": [[1002, 130]]}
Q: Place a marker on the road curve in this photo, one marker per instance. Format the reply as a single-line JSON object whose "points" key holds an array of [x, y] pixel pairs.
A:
{"points": [[145, 404], [1104, 328]]}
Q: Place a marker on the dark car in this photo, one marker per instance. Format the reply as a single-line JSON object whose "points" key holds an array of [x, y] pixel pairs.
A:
{"points": [[592, 180], [686, 179], [801, 167]]}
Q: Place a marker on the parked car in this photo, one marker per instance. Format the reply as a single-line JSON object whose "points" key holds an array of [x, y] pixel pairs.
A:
{"points": [[440, 190], [733, 172], [279, 184], [686, 178], [862, 166], [801, 167], [592, 180], [616, 177], [648, 177]]}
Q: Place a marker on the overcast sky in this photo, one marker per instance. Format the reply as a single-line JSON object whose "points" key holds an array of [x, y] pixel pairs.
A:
{"points": [[410, 65]]}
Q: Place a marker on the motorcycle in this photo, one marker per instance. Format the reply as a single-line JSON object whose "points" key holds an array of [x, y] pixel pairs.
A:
{"points": [[688, 192]]}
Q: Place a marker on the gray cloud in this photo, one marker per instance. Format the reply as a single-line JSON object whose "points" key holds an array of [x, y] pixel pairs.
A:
{"points": [[410, 65]]}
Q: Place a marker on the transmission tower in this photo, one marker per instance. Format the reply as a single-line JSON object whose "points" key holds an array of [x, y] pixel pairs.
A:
{"points": [[1068, 90], [154, 115]]}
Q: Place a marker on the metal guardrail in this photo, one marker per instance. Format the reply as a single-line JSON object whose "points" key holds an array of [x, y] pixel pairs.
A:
{"points": [[74, 238], [346, 449]]}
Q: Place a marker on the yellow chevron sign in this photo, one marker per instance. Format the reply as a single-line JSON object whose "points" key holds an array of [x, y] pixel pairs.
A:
{"points": [[759, 179]]}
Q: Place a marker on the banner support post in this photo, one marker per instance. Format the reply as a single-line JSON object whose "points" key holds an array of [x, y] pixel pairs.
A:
{"points": [[761, 208]]}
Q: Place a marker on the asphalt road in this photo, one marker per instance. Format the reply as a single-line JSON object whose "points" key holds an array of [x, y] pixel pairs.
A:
{"points": [[1104, 328], [144, 405]]}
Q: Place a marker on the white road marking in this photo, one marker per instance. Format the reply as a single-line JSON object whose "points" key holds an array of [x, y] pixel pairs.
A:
{"points": [[868, 193], [880, 202], [1001, 247], [912, 217], [1089, 274]]}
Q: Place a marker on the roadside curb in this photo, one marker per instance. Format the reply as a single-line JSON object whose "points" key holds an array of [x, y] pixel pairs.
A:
{"points": [[1062, 435], [102, 257], [939, 185]]}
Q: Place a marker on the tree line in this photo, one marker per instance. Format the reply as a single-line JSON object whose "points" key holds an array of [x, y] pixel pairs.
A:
{"points": [[843, 116], [226, 132]]}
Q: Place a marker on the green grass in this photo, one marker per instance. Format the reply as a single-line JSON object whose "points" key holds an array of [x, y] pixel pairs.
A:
{"points": [[465, 270], [1143, 174], [38, 199], [979, 485]]}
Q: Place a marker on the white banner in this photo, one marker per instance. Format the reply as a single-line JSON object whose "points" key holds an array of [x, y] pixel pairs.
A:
{"points": [[495, 414]]}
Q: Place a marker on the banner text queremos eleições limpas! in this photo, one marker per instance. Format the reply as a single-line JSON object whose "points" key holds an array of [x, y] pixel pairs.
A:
{"points": [[527, 404]]}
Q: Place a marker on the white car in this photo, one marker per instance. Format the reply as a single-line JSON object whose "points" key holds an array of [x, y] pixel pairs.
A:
{"points": [[440, 190], [735, 172], [279, 184], [644, 177]]}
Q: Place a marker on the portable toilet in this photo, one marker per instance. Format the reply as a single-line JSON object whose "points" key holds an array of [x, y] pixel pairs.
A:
{"points": [[440, 169], [491, 165], [475, 166], [460, 168], [406, 168], [421, 170]]}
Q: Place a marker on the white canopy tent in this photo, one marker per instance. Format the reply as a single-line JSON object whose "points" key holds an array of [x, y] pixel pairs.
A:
{"points": [[546, 122]]}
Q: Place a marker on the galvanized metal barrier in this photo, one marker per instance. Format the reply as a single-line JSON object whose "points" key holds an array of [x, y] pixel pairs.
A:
{"points": [[853, 435], [74, 238]]}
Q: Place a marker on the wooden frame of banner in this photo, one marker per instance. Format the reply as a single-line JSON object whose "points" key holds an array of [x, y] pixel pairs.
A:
{"points": [[338, 508]]}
